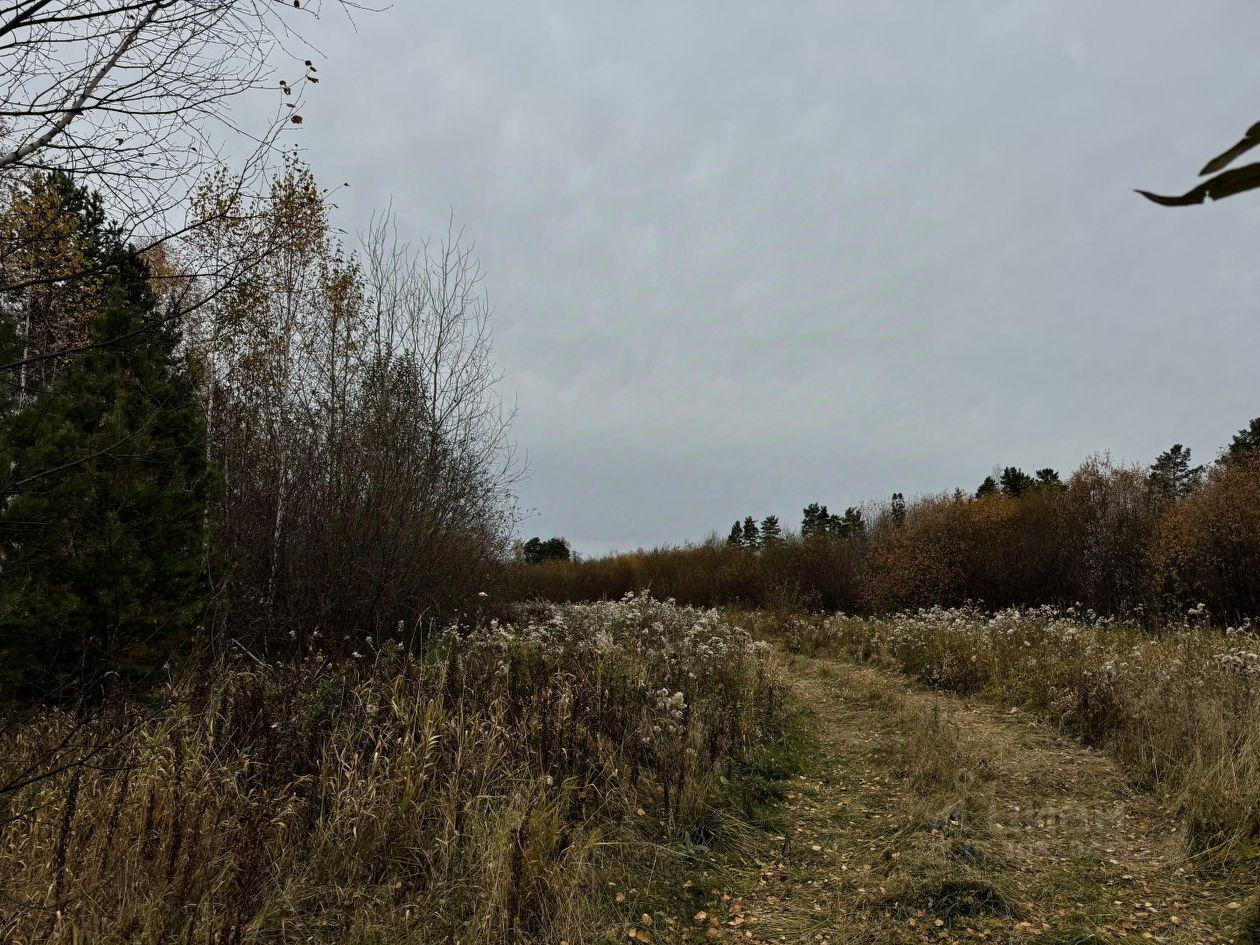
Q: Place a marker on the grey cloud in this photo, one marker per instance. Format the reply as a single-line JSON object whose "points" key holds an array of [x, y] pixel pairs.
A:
{"points": [[748, 255]]}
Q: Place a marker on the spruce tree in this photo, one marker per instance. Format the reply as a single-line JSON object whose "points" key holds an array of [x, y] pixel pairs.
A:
{"points": [[107, 484], [897, 510], [1171, 475], [736, 538], [751, 536]]}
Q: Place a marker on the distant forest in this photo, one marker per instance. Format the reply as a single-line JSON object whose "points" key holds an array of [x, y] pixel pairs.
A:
{"points": [[1142, 541]]}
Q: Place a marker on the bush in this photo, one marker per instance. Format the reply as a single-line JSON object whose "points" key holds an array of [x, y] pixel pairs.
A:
{"points": [[795, 573], [1207, 549], [1083, 542]]}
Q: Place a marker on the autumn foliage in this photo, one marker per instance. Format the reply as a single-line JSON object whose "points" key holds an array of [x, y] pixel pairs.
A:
{"points": [[1108, 539], [1207, 546]]}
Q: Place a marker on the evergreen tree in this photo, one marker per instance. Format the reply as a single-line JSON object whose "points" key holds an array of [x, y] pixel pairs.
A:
{"points": [[1015, 482], [751, 536], [988, 487], [736, 538], [1171, 475], [771, 532], [1245, 442], [848, 525], [536, 550], [107, 484], [852, 524], [1048, 477], [815, 520], [897, 510]]}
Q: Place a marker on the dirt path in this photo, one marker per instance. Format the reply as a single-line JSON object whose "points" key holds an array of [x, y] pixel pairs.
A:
{"points": [[927, 818]]}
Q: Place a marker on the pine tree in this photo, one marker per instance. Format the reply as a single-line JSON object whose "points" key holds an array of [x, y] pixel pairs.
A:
{"points": [[1015, 482], [814, 520], [1171, 475], [897, 510], [751, 536], [988, 487], [1048, 477], [771, 531], [1245, 442], [736, 538], [103, 533]]}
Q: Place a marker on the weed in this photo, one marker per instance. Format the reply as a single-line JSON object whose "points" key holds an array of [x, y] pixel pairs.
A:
{"points": [[494, 788]]}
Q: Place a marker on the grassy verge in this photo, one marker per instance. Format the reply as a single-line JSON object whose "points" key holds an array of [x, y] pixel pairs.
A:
{"points": [[928, 818], [1180, 708]]}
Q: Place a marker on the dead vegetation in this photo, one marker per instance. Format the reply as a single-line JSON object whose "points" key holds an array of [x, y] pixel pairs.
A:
{"points": [[1181, 708], [926, 819], [488, 790]]}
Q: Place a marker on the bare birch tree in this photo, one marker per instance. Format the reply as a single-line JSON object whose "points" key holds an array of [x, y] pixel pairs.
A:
{"points": [[134, 99], [135, 94]]}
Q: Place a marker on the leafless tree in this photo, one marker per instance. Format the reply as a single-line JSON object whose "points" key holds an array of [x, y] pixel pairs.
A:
{"points": [[134, 99], [134, 94], [429, 306], [365, 447]]}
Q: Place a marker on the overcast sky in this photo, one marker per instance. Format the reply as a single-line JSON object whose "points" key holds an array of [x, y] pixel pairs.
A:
{"points": [[745, 256]]}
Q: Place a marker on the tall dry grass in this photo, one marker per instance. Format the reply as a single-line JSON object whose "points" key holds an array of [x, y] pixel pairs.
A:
{"points": [[1181, 708], [484, 791]]}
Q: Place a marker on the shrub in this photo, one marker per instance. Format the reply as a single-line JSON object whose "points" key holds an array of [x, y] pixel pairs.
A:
{"points": [[1109, 539], [817, 572], [1207, 548]]}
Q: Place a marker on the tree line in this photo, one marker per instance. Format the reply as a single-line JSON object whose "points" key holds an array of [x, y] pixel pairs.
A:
{"points": [[1143, 541]]}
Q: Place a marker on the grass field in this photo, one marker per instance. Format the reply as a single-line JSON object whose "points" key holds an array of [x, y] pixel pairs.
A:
{"points": [[640, 771]]}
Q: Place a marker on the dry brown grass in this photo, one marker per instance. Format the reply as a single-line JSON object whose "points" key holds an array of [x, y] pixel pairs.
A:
{"points": [[1181, 708], [1249, 928], [930, 818], [483, 792]]}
